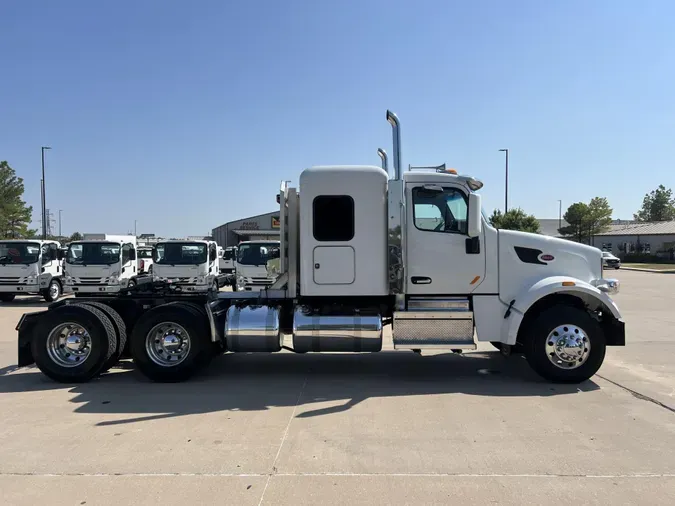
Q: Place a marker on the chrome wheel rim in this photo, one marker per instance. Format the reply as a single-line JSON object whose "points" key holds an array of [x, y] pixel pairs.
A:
{"points": [[54, 290], [69, 344], [167, 344], [568, 346]]}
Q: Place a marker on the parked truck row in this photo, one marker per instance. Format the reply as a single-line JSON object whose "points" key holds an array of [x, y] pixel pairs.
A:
{"points": [[360, 250], [105, 264]]}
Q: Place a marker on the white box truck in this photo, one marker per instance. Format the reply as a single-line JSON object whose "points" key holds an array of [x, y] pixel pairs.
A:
{"points": [[254, 265], [101, 264], [30, 267], [361, 250], [191, 265]]}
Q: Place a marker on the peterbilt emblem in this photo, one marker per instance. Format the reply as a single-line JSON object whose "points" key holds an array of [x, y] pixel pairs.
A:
{"points": [[546, 257]]}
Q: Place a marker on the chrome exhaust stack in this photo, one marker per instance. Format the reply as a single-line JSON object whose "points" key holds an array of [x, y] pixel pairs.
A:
{"points": [[385, 161], [396, 127]]}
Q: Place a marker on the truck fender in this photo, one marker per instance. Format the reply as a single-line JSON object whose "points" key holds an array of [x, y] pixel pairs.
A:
{"points": [[589, 294]]}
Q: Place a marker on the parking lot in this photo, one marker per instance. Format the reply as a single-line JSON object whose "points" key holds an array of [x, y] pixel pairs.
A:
{"points": [[388, 428]]}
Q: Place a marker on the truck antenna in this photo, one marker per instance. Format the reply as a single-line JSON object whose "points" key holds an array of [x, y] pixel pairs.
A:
{"points": [[396, 126]]}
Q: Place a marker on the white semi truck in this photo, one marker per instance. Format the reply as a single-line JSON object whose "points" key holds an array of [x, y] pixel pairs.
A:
{"points": [[190, 265], [254, 265], [101, 264], [361, 251], [30, 267]]}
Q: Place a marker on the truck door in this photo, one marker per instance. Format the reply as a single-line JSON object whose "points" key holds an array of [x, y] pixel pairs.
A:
{"points": [[440, 259]]}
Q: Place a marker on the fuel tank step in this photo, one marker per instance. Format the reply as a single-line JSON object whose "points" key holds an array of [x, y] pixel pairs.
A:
{"points": [[434, 323]]}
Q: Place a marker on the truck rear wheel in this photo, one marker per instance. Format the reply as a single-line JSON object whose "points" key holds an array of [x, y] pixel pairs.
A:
{"points": [[565, 344], [171, 342], [73, 343], [7, 297], [120, 332]]}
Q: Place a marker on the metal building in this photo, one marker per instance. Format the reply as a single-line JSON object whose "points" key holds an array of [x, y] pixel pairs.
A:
{"points": [[263, 226]]}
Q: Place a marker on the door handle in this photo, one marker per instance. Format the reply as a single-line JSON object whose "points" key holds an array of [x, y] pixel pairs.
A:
{"points": [[420, 280]]}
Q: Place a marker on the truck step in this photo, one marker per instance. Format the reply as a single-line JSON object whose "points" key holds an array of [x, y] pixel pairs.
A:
{"points": [[434, 323]]}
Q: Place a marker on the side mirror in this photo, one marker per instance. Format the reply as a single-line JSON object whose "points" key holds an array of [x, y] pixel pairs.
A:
{"points": [[132, 254], [60, 255], [212, 256], [475, 216]]}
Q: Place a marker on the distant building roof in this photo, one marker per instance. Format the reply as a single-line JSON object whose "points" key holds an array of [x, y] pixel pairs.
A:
{"points": [[633, 228]]}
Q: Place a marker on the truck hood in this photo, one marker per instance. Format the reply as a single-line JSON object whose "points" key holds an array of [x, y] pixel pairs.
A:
{"points": [[92, 271], [179, 271], [522, 253]]}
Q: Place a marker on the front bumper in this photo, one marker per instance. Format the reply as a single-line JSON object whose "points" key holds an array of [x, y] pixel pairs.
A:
{"points": [[94, 288], [35, 288]]}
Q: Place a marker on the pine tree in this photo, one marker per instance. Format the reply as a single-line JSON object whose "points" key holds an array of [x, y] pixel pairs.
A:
{"points": [[15, 215]]}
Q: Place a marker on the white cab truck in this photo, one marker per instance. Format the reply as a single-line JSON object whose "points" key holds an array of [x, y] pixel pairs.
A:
{"points": [[361, 250], [254, 264], [30, 267], [191, 265], [145, 260], [101, 264]]}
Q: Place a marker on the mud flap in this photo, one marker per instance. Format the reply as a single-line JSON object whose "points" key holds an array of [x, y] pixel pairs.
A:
{"points": [[25, 329]]}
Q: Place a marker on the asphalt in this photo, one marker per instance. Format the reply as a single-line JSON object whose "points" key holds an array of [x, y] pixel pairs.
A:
{"points": [[387, 428]]}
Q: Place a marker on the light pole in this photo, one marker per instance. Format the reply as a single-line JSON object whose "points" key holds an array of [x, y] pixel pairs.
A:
{"points": [[60, 211], [559, 214], [44, 197], [506, 187], [135, 229]]}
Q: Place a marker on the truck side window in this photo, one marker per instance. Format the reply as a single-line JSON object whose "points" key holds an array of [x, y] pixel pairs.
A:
{"points": [[125, 253], [333, 217], [46, 254], [440, 211]]}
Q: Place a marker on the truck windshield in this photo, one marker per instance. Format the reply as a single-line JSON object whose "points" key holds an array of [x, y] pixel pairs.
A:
{"points": [[228, 254], [257, 254], [19, 252], [170, 253], [144, 253], [90, 253]]}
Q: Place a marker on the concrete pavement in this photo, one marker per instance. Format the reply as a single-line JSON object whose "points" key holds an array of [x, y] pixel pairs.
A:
{"points": [[388, 428]]}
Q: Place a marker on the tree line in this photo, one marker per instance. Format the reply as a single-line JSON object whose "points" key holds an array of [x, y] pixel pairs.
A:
{"points": [[585, 220], [15, 214]]}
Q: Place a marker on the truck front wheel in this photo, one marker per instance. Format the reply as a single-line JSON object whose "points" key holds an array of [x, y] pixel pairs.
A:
{"points": [[171, 342], [565, 344], [52, 293]]}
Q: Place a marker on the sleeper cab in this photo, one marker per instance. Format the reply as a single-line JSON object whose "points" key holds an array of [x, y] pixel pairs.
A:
{"points": [[343, 231]]}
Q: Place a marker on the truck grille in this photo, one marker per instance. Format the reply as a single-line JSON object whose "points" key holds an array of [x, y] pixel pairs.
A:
{"points": [[12, 281], [260, 281], [92, 281]]}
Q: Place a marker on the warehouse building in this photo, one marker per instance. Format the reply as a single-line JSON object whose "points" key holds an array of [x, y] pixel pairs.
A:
{"points": [[656, 238], [263, 226]]}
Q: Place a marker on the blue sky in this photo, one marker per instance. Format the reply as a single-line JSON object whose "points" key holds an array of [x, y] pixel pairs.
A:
{"points": [[186, 115]]}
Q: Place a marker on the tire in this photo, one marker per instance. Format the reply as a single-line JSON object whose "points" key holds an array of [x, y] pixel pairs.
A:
{"points": [[132, 283], [52, 293], [101, 336], [151, 362], [120, 332], [576, 324], [7, 297]]}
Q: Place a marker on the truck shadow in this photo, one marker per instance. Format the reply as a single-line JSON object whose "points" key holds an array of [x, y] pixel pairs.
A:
{"points": [[258, 382]]}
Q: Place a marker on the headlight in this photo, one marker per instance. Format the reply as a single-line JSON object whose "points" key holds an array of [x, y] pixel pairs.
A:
{"points": [[241, 281], [201, 280], [30, 280], [70, 280], [114, 280]]}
